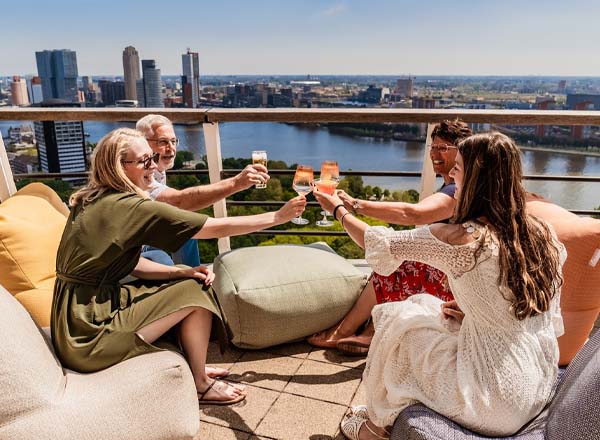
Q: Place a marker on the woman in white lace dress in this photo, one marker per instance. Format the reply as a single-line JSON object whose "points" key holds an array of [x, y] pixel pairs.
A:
{"points": [[489, 361]]}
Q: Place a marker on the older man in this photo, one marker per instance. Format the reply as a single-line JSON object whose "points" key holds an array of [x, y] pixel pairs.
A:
{"points": [[161, 137]]}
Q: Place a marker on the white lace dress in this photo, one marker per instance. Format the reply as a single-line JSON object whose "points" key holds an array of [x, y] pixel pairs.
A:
{"points": [[492, 374]]}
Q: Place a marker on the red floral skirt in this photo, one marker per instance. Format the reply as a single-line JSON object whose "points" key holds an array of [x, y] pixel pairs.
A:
{"points": [[411, 278]]}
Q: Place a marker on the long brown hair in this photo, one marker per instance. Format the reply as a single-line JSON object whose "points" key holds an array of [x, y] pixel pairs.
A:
{"points": [[492, 188], [107, 173]]}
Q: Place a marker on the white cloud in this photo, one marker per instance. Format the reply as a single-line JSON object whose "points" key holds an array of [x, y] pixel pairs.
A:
{"points": [[334, 10]]}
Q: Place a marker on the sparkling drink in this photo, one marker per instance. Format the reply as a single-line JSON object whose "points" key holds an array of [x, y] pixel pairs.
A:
{"points": [[327, 186], [330, 177], [260, 157], [303, 183]]}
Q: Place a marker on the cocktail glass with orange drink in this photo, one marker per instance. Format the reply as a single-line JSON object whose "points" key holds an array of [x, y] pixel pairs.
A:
{"points": [[330, 177], [303, 183]]}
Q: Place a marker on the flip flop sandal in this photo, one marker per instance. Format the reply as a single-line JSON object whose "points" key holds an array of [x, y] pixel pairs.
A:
{"points": [[353, 348], [203, 401]]}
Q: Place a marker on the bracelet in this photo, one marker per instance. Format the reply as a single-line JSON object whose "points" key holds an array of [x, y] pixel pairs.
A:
{"points": [[342, 219], [341, 205]]}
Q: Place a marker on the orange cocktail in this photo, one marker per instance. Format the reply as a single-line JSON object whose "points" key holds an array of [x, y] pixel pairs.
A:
{"points": [[327, 186]]}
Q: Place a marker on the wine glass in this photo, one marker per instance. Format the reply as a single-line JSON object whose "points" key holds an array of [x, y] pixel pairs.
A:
{"points": [[303, 182], [259, 157], [330, 177]]}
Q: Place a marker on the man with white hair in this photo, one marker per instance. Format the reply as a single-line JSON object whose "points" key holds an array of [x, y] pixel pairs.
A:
{"points": [[160, 134]]}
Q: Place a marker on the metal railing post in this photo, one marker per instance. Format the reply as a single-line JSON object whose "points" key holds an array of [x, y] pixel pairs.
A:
{"points": [[7, 182], [212, 140], [427, 173]]}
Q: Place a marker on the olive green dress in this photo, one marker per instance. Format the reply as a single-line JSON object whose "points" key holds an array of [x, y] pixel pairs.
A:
{"points": [[94, 318]]}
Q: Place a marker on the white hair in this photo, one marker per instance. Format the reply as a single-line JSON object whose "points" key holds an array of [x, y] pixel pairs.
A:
{"points": [[149, 123]]}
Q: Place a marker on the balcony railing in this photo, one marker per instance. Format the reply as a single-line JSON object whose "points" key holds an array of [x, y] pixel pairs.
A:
{"points": [[210, 119]]}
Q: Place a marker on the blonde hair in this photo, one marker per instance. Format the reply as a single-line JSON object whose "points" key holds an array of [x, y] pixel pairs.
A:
{"points": [[107, 172], [149, 123]]}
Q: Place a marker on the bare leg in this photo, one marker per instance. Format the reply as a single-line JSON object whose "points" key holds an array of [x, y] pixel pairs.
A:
{"points": [[360, 312], [195, 333]]}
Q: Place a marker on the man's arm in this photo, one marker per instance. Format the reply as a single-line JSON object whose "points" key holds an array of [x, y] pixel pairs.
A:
{"points": [[431, 209], [202, 196]]}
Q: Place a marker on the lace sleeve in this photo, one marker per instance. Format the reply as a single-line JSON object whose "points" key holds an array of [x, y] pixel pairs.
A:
{"points": [[386, 249]]}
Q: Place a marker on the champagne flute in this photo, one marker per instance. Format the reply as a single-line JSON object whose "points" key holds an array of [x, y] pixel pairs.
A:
{"points": [[259, 157], [303, 183], [330, 177]]}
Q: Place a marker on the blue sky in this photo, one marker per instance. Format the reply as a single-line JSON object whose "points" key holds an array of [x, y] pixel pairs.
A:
{"points": [[470, 37]]}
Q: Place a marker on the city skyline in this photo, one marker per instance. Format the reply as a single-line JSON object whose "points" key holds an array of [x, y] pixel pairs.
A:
{"points": [[383, 37]]}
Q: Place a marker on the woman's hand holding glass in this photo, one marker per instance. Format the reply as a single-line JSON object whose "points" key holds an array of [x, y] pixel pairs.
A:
{"points": [[292, 209], [327, 201]]}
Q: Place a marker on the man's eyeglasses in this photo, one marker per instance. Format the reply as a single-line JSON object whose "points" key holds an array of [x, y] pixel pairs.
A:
{"points": [[441, 148], [147, 161], [165, 142]]}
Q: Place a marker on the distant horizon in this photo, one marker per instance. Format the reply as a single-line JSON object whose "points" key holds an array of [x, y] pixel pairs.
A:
{"points": [[333, 75]]}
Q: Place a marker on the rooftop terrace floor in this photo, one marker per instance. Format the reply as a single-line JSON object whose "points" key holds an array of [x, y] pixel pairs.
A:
{"points": [[295, 391]]}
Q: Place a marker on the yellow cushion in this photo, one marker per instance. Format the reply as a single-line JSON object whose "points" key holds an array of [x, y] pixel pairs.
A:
{"points": [[30, 232], [38, 302], [580, 296]]}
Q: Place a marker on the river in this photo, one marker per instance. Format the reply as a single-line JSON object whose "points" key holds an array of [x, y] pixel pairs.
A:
{"points": [[293, 144]]}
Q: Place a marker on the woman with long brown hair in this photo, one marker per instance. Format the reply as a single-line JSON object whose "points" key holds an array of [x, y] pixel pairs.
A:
{"points": [[489, 364]]}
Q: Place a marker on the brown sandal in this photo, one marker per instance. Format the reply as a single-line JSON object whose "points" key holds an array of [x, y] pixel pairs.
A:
{"points": [[203, 401]]}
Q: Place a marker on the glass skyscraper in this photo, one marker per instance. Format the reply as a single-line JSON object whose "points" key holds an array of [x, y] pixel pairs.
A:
{"points": [[58, 71], [149, 88]]}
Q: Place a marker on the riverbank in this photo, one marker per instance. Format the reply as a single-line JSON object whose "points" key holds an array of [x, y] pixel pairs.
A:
{"points": [[560, 151]]}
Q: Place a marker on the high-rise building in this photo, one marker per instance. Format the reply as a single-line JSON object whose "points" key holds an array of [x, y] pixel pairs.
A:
{"points": [[58, 71], [190, 80], [131, 71], [404, 87], [60, 144], [18, 90], [34, 86], [111, 91], [149, 88]]}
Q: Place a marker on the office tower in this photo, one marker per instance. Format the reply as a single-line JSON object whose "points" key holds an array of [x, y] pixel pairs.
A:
{"points": [[58, 71], [190, 80], [131, 71], [111, 91], [149, 88], [60, 144], [18, 90], [34, 87], [404, 87]]}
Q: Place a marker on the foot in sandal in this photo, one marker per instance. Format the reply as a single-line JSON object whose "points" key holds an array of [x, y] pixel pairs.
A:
{"points": [[219, 392]]}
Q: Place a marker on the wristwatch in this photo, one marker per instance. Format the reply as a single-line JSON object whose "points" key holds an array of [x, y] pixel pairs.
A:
{"points": [[355, 207]]}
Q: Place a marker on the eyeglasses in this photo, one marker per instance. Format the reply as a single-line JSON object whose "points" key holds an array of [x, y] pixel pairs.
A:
{"points": [[147, 161], [441, 148], [165, 142]]}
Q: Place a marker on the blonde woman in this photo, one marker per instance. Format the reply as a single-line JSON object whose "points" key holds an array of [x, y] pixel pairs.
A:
{"points": [[96, 322]]}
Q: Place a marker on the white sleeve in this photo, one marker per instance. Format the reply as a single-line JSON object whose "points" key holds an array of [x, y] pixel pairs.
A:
{"points": [[156, 189], [386, 249]]}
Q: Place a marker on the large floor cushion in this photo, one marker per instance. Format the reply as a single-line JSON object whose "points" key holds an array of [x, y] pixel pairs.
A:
{"points": [[31, 226], [580, 296], [275, 294]]}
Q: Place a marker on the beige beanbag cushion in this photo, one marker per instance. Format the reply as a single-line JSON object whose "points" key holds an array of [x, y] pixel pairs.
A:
{"points": [[275, 294]]}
